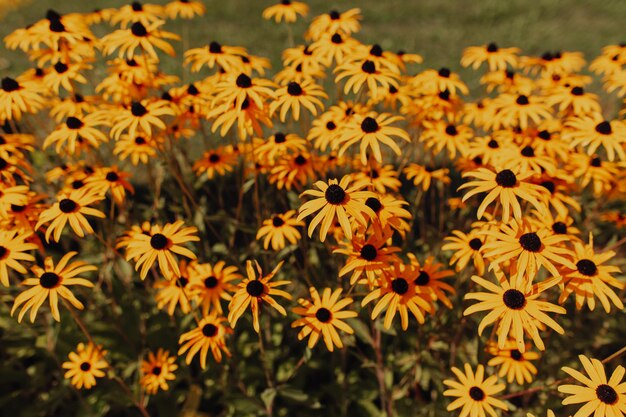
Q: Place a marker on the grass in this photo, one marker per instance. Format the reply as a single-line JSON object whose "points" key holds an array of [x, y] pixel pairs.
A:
{"points": [[436, 29]]}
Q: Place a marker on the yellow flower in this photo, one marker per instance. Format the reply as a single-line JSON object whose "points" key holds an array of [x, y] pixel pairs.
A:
{"points": [[279, 228], [475, 393], [85, 365], [157, 370], [286, 10], [12, 248], [210, 335]]}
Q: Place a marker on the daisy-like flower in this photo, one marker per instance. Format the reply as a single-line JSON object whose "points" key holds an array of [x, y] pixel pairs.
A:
{"points": [[279, 144], [516, 308], [334, 47], [157, 371], [280, 228], [12, 253], [589, 279], [185, 9], [390, 214], [475, 393], [574, 100], [530, 247], [71, 207], [216, 161], [495, 57], [226, 57], [137, 12], [382, 177], [592, 132], [295, 95], [336, 200], [467, 247], [139, 117], [139, 39], [111, 179], [175, 292], [511, 110], [396, 293], [211, 283], [334, 21], [140, 149], [255, 290], [424, 175], [19, 97], [85, 365], [506, 184], [209, 335], [293, 169], [433, 81], [369, 132], [160, 244], [286, 10], [50, 283], [323, 316], [428, 280], [513, 363], [365, 73], [440, 135], [239, 88], [367, 256], [601, 396]]}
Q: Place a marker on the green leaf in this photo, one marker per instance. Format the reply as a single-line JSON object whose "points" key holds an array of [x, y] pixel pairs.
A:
{"points": [[268, 396]]}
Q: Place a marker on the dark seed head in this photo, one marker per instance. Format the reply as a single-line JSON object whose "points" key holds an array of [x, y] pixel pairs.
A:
{"points": [[78, 98], [374, 204], [73, 123], [243, 81], [451, 130], [57, 26], [323, 315], [577, 91], [587, 267], [16, 208], [595, 162], [286, 2], [368, 252], [277, 221], [506, 178], [210, 282], [3, 252], [78, 184], [476, 394], [158, 241], [140, 140], [182, 282], [334, 15], [300, 160], [444, 95], [137, 109], [52, 15], [60, 67], [604, 128], [335, 194], [422, 279], [492, 47], [67, 206], [475, 243], [369, 125], [215, 48], [509, 74], [493, 144], [192, 90], [400, 286], [209, 330], [444, 72], [607, 394], [376, 50], [9, 84], [214, 158], [559, 228], [49, 280], [477, 160], [156, 370], [280, 137], [336, 39], [528, 151], [112, 176], [544, 134], [331, 126], [522, 100], [138, 30], [294, 89], [255, 288], [85, 366], [516, 355], [136, 6], [514, 299], [368, 67], [530, 242]]}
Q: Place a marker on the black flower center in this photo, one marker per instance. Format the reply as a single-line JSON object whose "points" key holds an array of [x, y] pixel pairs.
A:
{"points": [[182, 282], [300, 160], [136, 6], [374, 204], [577, 91], [604, 128], [475, 243], [522, 100], [606, 394], [255, 288], [78, 98], [400, 286], [444, 95], [156, 370], [138, 109], [587, 267], [209, 330], [192, 90], [595, 162], [215, 48], [528, 151], [544, 134], [76, 184], [376, 50], [422, 279], [336, 39], [158, 241], [559, 228], [3, 164], [85, 366], [211, 282], [112, 176], [477, 394], [509, 74], [451, 130], [49, 280], [294, 89], [57, 26], [335, 194], [334, 15], [243, 81], [530, 242], [369, 125], [277, 221], [492, 47], [3, 252], [323, 314], [506, 178], [140, 141], [514, 299], [67, 206], [74, 123], [444, 72], [280, 137], [493, 144], [138, 30], [214, 158], [368, 252], [368, 67], [516, 355], [549, 185], [60, 67]]}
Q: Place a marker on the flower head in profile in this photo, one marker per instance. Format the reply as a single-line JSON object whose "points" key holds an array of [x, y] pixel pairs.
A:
{"points": [[185, 9], [139, 39], [286, 10], [475, 392], [13, 247], [85, 365], [295, 95], [334, 21], [209, 335], [497, 58]]}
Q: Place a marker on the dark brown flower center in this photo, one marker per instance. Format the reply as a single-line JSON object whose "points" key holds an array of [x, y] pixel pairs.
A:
{"points": [[493, 144], [477, 394], [331, 126], [607, 394], [112, 176], [492, 47], [595, 162], [544, 134], [323, 314], [277, 221], [400, 286], [374, 204], [422, 279], [514, 299], [74, 123], [211, 282], [475, 243], [139, 30], [243, 81], [369, 125], [522, 100], [334, 15], [577, 91], [67, 206], [376, 50], [294, 89], [255, 288], [49, 280], [336, 39], [138, 109], [335, 194], [214, 158], [215, 48], [4, 252], [587, 267], [451, 130], [604, 128], [156, 370], [516, 355], [559, 228], [444, 72], [140, 141], [368, 67], [60, 67], [85, 366], [209, 330], [280, 137], [506, 178], [369, 252], [158, 241]]}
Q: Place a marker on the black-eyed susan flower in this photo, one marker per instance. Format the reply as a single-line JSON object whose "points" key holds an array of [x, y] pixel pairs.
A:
{"points": [[496, 58], [323, 316], [383, 178], [137, 12], [336, 200], [51, 283], [286, 10], [467, 247], [602, 396], [279, 230], [593, 132], [390, 214], [574, 101], [475, 392], [17, 98], [71, 207], [185, 9], [113, 180], [508, 185], [175, 292], [212, 283], [85, 365], [157, 371], [139, 149], [423, 176], [160, 243], [334, 47], [209, 335], [295, 95], [334, 21], [237, 88], [428, 280], [590, 279], [12, 253], [226, 57], [279, 144], [441, 135], [214, 162], [434, 81], [365, 73], [512, 110], [593, 170], [516, 308], [294, 169], [255, 290], [513, 364], [139, 117], [139, 39]]}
